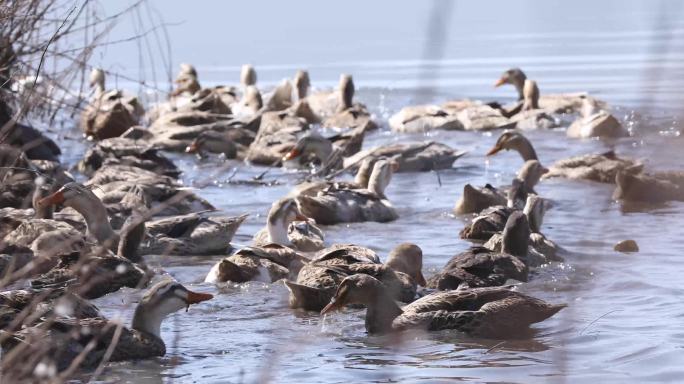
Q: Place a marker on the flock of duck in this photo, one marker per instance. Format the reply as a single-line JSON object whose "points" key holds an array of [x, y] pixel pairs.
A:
{"points": [[76, 241]]}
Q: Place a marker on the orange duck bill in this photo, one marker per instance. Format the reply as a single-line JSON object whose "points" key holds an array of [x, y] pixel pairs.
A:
{"points": [[495, 149], [500, 82], [293, 154], [54, 199], [197, 297]]}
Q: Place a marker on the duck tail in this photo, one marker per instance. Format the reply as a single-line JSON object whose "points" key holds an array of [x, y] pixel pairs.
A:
{"points": [[305, 297]]}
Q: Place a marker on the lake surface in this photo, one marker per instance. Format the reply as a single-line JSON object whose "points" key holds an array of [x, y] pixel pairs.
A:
{"points": [[625, 315]]}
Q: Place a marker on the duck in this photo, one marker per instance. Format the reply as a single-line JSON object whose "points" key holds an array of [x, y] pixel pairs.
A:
{"points": [[317, 280], [61, 341], [595, 122], [553, 103], [345, 205], [412, 157], [348, 114], [329, 152], [199, 235], [110, 113], [424, 118], [266, 263], [541, 250], [17, 304], [481, 267], [493, 312], [312, 188], [165, 195], [250, 104], [126, 151], [596, 167], [632, 186], [285, 225], [475, 200], [214, 142], [493, 219]]}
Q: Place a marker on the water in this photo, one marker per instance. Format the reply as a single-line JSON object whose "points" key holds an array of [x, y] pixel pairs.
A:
{"points": [[624, 316]]}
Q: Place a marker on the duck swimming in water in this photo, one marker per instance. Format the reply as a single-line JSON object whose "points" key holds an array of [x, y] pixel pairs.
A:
{"points": [[599, 167], [61, 340], [317, 280], [487, 312], [345, 205], [110, 113], [553, 103], [482, 267]]}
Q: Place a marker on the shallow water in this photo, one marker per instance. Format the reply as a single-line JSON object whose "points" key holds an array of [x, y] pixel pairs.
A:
{"points": [[624, 320]]}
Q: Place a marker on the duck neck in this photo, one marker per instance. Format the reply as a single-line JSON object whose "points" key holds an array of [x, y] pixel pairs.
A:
{"points": [[515, 241], [378, 182], [277, 231], [526, 150], [148, 320], [346, 94], [363, 175], [381, 312], [302, 89], [97, 221]]}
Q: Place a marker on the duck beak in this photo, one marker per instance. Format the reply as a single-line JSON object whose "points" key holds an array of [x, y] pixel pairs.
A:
{"points": [[495, 149], [192, 148], [293, 154], [395, 166], [300, 217], [54, 199], [197, 297], [500, 82], [544, 170], [332, 306]]}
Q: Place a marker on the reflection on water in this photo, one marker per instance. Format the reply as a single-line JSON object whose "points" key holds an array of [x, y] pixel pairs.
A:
{"points": [[624, 315]]}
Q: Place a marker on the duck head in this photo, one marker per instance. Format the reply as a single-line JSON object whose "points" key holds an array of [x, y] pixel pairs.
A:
{"points": [[381, 176], [302, 83], [85, 202], [97, 81], [370, 292], [312, 143], [282, 213], [515, 77], [163, 299], [531, 172], [252, 98], [187, 69], [214, 142], [346, 92], [513, 140], [516, 235], [248, 75], [408, 258], [186, 83]]}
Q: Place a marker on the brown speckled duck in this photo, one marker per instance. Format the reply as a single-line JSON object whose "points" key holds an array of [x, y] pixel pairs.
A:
{"points": [[344, 205], [317, 281], [488, 312], [110, 113], [63, 339], [599, 167], [475, 200], [481, 267]]}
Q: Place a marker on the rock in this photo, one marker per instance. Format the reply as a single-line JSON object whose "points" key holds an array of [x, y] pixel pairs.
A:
{"points": [[626, 246]]}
